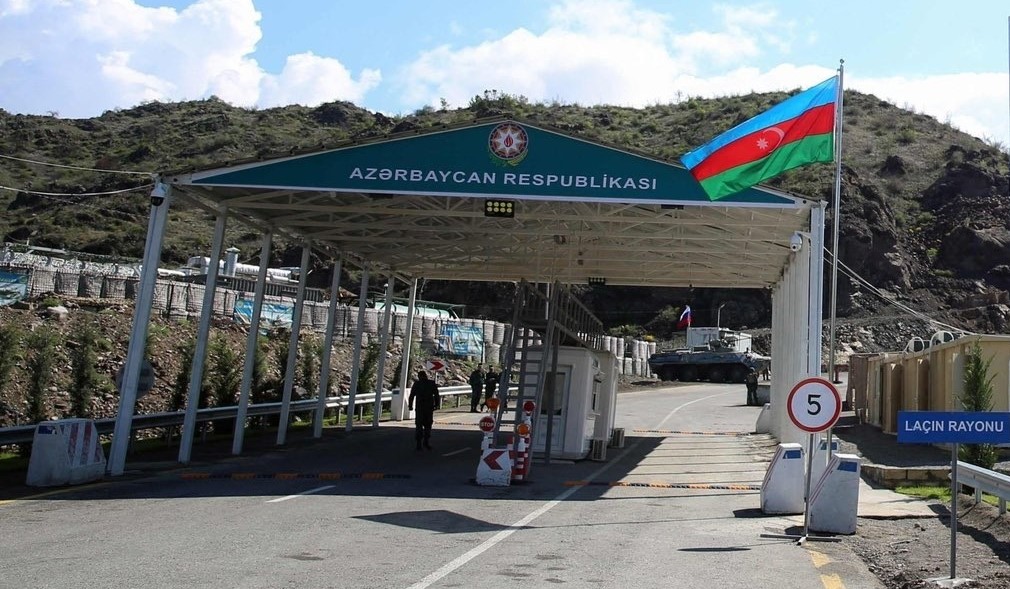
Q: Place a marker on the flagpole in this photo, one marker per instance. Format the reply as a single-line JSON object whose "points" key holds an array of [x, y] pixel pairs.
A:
{"points": [[837, 216]]}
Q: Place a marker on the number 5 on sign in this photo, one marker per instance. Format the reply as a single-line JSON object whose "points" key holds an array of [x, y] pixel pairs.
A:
{"points": [[814, 405]]}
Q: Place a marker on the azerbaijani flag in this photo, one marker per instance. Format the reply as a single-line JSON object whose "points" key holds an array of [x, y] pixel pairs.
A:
{"points": [[793, 133]]}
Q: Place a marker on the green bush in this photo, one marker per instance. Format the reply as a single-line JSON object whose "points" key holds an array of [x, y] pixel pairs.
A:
{"points": [[977, 396], [50, 302], [11, 338], [40, 362], [225, 378], [366, 374], [180, 386], [84, 376], [308, 363]]}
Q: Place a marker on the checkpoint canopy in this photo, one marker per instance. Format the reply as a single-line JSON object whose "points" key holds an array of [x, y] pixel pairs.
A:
{"points": [[415, 204], [509, 200]]}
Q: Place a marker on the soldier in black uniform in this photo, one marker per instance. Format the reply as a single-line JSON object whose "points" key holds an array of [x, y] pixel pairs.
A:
{"points": [[490, 384], [752, 387], [426, 393]]}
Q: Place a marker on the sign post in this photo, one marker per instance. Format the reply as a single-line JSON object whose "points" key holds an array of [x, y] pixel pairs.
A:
{"points": [[814, 406], [953, 427]]}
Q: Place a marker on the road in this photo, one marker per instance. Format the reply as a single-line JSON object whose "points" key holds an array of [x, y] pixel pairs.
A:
{"points": [[399, 518]]}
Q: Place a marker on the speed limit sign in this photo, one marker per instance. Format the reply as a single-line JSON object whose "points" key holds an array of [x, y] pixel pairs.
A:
{"points": [[814, 405]]}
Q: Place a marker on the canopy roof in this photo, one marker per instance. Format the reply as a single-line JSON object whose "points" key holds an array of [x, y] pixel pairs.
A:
{"points": [[414, 204]]}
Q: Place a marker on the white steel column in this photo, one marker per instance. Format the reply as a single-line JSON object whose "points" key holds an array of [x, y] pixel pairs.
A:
{"points": [[252, 341], [324, 368], [138, 334], [795, 340], [779, 312], [399, 404], [296, 329], [202, 335], [816, 284], [380, 371], [356, 348]]}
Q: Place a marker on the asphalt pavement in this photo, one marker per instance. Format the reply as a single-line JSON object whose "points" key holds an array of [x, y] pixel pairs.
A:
{"points": [[678, 506]]}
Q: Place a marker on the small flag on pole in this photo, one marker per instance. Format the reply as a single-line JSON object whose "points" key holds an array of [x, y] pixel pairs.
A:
{"points": [[685, 318], [793, 133]]}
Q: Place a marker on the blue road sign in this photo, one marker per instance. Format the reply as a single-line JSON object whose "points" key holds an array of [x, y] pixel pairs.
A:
{"points": [[953, 427]]}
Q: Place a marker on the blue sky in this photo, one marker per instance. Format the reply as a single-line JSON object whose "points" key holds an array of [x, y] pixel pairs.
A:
{"points": [[78, 58]]}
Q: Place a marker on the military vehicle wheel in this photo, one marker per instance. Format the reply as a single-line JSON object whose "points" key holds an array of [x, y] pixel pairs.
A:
{"points": [[738, 373], [688, 374], [716, 374], [668, 373]]}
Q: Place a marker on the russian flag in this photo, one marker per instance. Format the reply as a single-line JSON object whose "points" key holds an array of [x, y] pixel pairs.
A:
{"points": [[685, 318]]}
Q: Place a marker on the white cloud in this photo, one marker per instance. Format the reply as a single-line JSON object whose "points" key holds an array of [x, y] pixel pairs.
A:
{"points": [[608, 51], [975, 103], [310, 79], [81, 57]]}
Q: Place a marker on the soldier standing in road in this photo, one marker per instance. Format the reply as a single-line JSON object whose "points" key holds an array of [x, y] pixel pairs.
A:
{"points": [[426, 393], [752, 387], [476, 385], [490, 384]]}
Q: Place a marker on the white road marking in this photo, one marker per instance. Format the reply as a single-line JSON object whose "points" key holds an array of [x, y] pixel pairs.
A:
{"points": [[455, 452], [309, 492], [679, 407], [513, 528]]}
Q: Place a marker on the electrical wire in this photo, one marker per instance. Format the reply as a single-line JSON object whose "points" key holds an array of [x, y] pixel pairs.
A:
{"points": [[72, 194], [906, 309], [92, 207], [69, 167]]}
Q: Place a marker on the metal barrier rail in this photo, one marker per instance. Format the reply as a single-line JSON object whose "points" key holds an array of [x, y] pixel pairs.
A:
{"points": [[984, 481], [25, 433]]}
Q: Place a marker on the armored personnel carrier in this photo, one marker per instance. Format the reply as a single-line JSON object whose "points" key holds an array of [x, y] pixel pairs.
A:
{"points": [[717, 355]]}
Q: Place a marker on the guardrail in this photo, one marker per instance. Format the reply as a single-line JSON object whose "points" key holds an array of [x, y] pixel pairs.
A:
{"points": [[25, 433], [984, 481]]}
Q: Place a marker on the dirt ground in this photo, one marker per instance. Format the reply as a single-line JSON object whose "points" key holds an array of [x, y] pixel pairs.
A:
{"points": [[904, 553]]}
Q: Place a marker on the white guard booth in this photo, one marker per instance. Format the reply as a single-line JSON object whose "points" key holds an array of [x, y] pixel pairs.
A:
{"points": [[606, 392], [584, 403]]}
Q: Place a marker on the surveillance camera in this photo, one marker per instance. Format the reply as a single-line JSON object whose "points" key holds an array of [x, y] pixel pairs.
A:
{"points": [[795, 242], [158, 194]]}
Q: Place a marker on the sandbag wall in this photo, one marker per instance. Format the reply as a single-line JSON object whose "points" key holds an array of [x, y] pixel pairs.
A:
{"points": [[184, 301]]}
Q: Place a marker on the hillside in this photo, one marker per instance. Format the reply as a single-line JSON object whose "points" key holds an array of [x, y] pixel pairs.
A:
{"points": [[924, 213]]}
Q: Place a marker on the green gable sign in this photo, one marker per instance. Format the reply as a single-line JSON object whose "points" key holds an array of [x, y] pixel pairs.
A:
{"points": [[499, 159]]}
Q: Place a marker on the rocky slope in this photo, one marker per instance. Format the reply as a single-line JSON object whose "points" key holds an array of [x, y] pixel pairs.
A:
{"points": [[923, 207]]}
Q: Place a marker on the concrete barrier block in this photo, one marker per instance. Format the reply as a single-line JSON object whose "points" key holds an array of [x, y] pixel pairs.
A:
{"points": [[764, 420], [494, 468], [821, 458], [65, 452], [834, 501], [782, 488]]}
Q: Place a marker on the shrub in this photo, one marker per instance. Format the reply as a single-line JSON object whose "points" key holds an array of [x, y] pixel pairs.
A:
{"points": [[40, 360], [11, 338], [225, 378], [977, 396], [180, 386], [83, 375], [366, 374], [308, 364]]}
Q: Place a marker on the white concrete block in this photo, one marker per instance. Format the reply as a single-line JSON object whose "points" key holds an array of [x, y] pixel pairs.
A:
{"points": [[764, 420], [821, 458], [65, 452], [834, 501], [782, 489], [494, 468]]}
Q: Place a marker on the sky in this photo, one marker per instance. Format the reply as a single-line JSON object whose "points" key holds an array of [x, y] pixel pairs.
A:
{"points": [[79, 58]]}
